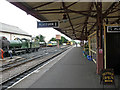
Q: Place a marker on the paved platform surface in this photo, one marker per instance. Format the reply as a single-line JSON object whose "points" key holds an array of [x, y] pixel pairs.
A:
{"points": [[72, 71], [68, 70]]}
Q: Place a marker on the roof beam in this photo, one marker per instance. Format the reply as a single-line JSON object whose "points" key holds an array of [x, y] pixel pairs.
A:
{"points": [[109, 9], [86, 20], [104, 14], [114, 11], [68, 10], [71, 24], [49, 10], [42, 5], [77, 24], [53, 2], [69, 18], [52, 12], [79, 12], [118, 21], [92, 27], [113, 16], [107, 12], [70, 29], [71, 4], [28, 10]]}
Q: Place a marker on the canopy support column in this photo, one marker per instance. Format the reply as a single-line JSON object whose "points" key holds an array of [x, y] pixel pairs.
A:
{"points": [[99, 37]]}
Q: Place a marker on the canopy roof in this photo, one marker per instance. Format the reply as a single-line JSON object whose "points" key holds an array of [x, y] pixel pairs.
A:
{"points": [[81, 16]]}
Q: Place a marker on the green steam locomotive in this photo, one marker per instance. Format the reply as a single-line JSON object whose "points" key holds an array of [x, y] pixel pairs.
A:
{"points": [[18, 46]]}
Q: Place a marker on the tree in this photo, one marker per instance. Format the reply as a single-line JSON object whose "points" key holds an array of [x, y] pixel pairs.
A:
{"points": [[74, 42], [63, 40], [52, 39], [41, 38]]}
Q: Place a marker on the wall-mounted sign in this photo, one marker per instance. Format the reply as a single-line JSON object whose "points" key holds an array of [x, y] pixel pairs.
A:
{"points": [[113, 29], [107, 76], [43, 24]]}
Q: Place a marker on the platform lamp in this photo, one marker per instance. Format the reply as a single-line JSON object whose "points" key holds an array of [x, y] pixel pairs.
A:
{"points": [[58, 37], [107, 21], [64, 17]]}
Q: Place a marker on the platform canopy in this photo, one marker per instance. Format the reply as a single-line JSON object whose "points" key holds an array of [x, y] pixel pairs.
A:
{"points": [[80, 16]]}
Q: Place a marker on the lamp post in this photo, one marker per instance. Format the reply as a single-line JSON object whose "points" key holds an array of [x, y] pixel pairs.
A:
{"points": [[58, 43]]}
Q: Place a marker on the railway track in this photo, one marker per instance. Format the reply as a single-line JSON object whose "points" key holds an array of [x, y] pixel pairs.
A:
{"points": [[24, 58], [35, 62]]}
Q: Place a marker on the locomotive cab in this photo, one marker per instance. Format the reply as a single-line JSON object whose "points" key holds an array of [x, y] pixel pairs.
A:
{"points": [[4, 43]]}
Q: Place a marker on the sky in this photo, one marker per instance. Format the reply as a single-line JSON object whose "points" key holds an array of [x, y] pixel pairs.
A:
{"points": [[10, 14]]}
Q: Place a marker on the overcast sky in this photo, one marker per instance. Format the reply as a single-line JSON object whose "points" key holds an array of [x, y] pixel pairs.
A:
{"points": [[10, 14]]}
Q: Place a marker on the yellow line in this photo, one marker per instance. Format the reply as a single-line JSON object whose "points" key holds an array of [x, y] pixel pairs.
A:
{"points": [[93, 51], [94, 61]]}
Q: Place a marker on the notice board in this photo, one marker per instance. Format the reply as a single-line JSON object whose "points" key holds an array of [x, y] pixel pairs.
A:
{"points": [[107, 76], [112, 47]]}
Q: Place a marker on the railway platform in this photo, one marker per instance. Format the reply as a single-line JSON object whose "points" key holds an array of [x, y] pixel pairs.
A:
{"points": [[69, 70]]}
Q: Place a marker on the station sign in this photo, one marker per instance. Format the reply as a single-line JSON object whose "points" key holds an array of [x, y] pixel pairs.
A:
{"points": [[58, 37], [113, 29], [107, 76], [48, 24]]}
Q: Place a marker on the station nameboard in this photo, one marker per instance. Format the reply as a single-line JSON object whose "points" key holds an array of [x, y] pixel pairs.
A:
{"points": [[113, 28], [48, 24], [107, 76]]}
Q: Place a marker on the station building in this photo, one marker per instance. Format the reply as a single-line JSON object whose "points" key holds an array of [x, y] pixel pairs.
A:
{"points": [[12, 32]]}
